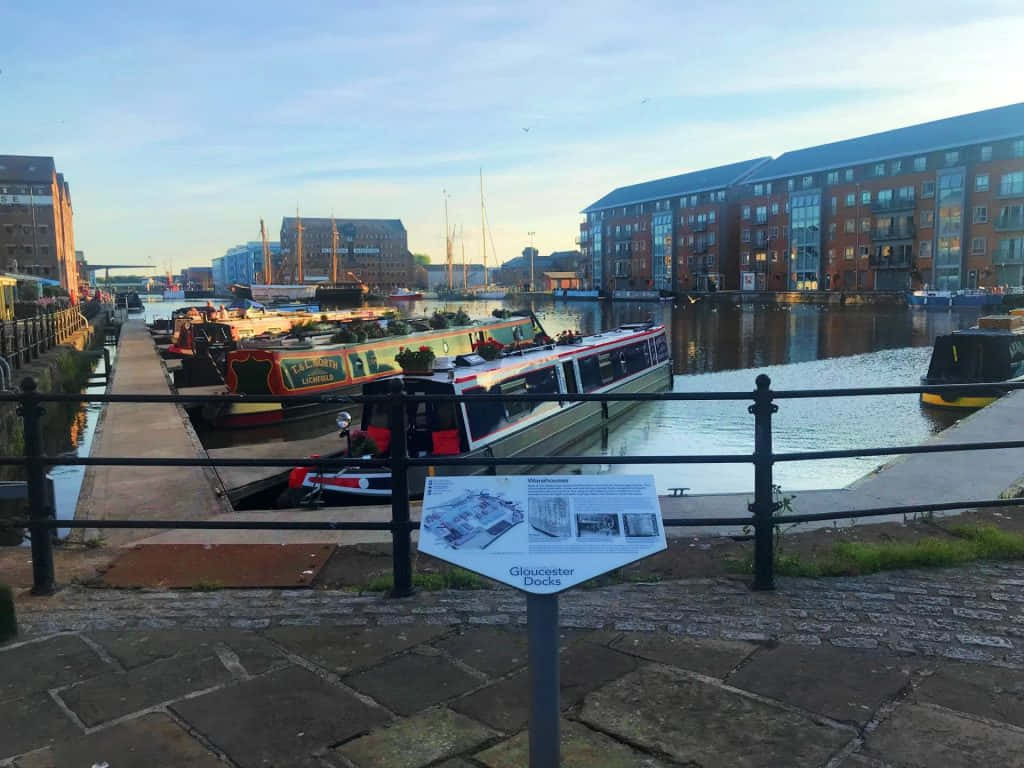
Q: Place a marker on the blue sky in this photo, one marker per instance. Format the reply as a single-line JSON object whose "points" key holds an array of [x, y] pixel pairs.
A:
{"points": [[181, 124]]}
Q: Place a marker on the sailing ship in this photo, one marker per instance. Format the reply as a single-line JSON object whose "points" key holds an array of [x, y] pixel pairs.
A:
{"points": [[632, 358], [331, 366]]}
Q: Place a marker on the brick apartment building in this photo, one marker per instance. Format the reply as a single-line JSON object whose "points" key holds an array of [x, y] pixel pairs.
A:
{"points": [[375, 250], [936, 204], [677, 233], [36, 227]]}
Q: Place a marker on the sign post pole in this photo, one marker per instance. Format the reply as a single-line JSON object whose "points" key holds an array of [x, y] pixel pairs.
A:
{"points": [[542, 629]]}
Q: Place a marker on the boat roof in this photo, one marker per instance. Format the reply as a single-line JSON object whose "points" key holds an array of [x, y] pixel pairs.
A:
{"points": [[542, 353]]}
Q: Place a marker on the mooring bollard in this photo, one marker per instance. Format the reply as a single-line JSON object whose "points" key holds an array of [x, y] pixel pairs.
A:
{"points": [[42, 547], [764, 506]]}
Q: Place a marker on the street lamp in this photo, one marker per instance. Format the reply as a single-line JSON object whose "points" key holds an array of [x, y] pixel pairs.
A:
{"points": [[532, 252]]}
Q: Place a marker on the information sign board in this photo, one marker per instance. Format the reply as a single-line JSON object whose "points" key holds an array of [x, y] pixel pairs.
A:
{"points": [[541, 534]]}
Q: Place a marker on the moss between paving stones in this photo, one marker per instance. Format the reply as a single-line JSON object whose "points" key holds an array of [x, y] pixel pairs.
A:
{"points": [[8, 621]]}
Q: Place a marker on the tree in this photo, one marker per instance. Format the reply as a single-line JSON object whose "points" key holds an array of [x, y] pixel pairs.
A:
{"points": [[421, 259]]}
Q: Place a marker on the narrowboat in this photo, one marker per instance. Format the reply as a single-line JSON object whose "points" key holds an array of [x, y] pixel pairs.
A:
{"points": [[404, 294], [632, 358], [992, 351], [291, 368]]}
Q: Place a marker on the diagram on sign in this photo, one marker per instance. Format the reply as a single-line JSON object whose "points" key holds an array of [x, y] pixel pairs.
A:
{"points": [[541, 534], [474, 519]]}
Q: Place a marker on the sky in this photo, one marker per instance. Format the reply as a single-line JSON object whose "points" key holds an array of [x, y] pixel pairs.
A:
{"points": [[179, 125]]}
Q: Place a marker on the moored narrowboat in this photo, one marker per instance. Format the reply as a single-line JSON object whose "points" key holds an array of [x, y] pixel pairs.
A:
{"points": [[296, 369], [633, 358], [991, 352]]}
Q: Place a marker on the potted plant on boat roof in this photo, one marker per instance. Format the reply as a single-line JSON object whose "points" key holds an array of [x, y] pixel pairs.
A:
{"points": [[439, 321], [489, 348], [416, 360], [568, 337]]}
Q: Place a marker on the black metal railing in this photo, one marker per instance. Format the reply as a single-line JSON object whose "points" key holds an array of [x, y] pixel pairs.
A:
{"points": [[763, 510], [894, 204], [22, 341]]}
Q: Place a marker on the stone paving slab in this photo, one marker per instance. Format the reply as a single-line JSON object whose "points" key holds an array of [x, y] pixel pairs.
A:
{"points": [[412, 682], [505, 705], [857, 683], [116, 694], [921, 736], [659, 708], [135, 649], [989, 692], [48, 664], [581, 748], [491, 650], [32, 722], [715, 658], [418, 741], [151, 741], [276, 719], [344, 649]]}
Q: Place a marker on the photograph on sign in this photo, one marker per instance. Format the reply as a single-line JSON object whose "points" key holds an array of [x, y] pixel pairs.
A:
{"points": [[541, 534]]}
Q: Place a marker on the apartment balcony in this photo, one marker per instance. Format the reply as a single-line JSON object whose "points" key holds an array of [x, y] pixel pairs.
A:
{"points": [[700, 247], [1009, 223], [1008, 192], [1007, 258], [755, 266], [889, 262], [699, 226], [895, 204], [906, 232], [761, 219]]}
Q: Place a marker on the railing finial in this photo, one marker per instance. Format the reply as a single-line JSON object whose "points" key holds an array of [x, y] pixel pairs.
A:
{"points": [[763, 382], [28, 384]]}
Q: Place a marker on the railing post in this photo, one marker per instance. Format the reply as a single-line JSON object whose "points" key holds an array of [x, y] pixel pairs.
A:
{"points": [[42, 546], [401, 539], [764, 505]]}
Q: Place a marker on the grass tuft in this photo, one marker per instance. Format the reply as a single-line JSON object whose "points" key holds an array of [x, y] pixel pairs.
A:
{"points": [[967, 543], [432, 581]]}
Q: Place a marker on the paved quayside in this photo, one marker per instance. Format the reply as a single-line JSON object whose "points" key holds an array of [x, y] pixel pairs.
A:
{"points": [[906, 669], [913, 479], [144, 430]]}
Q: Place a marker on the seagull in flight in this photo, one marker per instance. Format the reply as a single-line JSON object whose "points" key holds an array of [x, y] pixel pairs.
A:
{"points": [[645, 99], [526, 130]]}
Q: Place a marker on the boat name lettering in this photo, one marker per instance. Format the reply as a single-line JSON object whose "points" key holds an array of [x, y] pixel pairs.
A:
{"points": [[316, 362]]}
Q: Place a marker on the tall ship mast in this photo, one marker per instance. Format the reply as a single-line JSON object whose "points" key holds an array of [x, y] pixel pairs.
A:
{"points": [[483, 227], [268, 268], [334, 250], [298, 247]]}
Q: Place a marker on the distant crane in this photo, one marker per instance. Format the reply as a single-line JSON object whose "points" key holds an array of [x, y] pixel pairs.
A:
{"points": [[267, 265]]}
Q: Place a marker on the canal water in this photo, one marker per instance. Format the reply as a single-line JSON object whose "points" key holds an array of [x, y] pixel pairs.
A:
{"points": [[720, 347]]}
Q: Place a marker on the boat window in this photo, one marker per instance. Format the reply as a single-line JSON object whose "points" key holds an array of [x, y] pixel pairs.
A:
{"points": [[590, 375], [1016, 358], [484, 416], [539, 382], [661, 348], [570, 377], [606, 367]]}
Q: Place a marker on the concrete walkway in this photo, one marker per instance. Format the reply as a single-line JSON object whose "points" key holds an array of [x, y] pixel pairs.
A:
{"points": [[144, 431], [907, 669], [912, 479]]}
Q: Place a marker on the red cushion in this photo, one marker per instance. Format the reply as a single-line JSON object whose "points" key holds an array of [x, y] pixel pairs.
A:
{"points": [[381, 436], [445, 442]]}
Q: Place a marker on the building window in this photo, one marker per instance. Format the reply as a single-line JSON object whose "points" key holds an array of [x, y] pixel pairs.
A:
{"points": [[807, 182], [711, 238], [851, 200], [896, 166], [927, 218], [1012, 183], [775, 209], [832, 178], [865, 224], [28, 248], [986, 153], [878, 170], [1017, 148], [791, 184], [981, 182], [926, 249], [690, 219], [831, 254], [693, 201], [980, 214], [978, 245], [746, 257], [832, 231], [773, 232], [44, 250], [865, 197], [746, 211], [864, 251], [848, 174], [952, 158], [848, 252], [834, 204], [711, 216], [851, 226], [928, 189], [10, 250], [745, 236], [758, 190], [920, 163], [761, 214]]}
